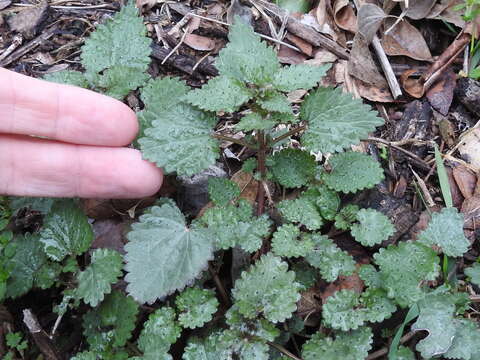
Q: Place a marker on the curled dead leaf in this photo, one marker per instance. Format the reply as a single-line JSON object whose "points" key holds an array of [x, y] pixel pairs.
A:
{"points": [[344, 15], [418, 9], [469, 147], [198, 42], [466, 180], [413, 86], [405, 40], [370, 17]]}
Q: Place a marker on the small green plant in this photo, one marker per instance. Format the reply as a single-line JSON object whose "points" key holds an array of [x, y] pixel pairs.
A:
{"points": [[170, 258]]}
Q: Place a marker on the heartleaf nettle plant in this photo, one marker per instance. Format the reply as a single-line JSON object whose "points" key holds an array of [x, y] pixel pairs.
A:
{"points": [[168, 253]]}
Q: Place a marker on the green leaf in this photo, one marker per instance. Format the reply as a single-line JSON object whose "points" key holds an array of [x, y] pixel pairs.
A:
{"points": [[292, 168], [40, 204], [222, 191], [373, 227], [254, 121], [196, 307], [327, 201], [234, 225], [163, 254], [370, 276], [305, 274], [251, 328], [404, 268], [346, 217], [445, 229], [405, 353], [301, 211], [329, 258], [268, 288], [347, 310], [222, 93], [300, 76], [394, 348], [69, 77], [352, 171], [66, 231], [436, 317], [246, 58], [174, 140], [465, 342], [119, 43], [111, 324], [443, 178], [159, 332], [161, 94], [473, 272], [85, 355], [47, 275], [285, 243], [93, 283], [26, 264], [119, 80], [353, 345], [335, 120], [275, 101]]}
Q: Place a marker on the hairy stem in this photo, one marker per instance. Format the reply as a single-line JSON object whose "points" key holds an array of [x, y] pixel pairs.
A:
{"points": [[288, 134], [233, 140], [261, 155]]}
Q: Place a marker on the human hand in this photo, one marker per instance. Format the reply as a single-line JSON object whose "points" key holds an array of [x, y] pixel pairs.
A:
{"points": [[82, 155]]}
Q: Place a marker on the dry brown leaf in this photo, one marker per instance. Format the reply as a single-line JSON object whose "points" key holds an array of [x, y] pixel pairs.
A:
{"points": [[457, 196], [440, 95], [290, 56], [4, 4], [413, 86], [361, 64], [198, 42], [466, 180], [344, 15], [469, 147], [306, 47], [27, 22], [471, 212], [373, 93], [146, 3], [404, 39], [370, 17], [418, 9], [110, 234], [248, 185], [352, 282]]}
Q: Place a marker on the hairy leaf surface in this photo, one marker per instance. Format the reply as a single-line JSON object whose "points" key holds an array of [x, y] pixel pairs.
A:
{"points": [[352, 171], [246, 58], [335, 120], [96, 280], [222, 191], [300, 76], [404, 268], [353, 345], [176, 137], [329, 258], [254, 121], [301, 211], [292, 168], [222, 93], [163, 254], [69, 77], [445, 229], [473, 272], [268, 288], [373, 227], [66, 231], [196, 307], [285, 242], [466, 341]]}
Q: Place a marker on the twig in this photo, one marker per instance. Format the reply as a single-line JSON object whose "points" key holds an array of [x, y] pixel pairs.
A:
{"points": [[232, 140], [387, 68], [261, 156], [261, 35], [283, 350], [47, 34], [16, 42], [303, 31], [44, 343], [176, 46], [417, 159], [288, 134], [219, 285]]}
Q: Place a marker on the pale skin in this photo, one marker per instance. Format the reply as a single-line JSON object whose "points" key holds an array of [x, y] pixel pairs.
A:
{"points": [[81, 152]]}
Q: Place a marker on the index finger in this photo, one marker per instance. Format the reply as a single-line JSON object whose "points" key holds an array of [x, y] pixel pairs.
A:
{"points": [[30, 106]]}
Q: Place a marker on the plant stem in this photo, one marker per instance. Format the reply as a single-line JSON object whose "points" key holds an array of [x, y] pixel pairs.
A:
{"points": [[219, 285], [283, 350], [261, 155], [233, 140], [288, 134]]}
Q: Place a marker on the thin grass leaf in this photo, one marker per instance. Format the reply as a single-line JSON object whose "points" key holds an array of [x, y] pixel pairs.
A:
{"points": [[443, 178]]}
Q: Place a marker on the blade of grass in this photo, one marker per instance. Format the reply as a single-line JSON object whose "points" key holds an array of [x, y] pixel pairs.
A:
{"points": [[412, 314], [443, 179]]}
